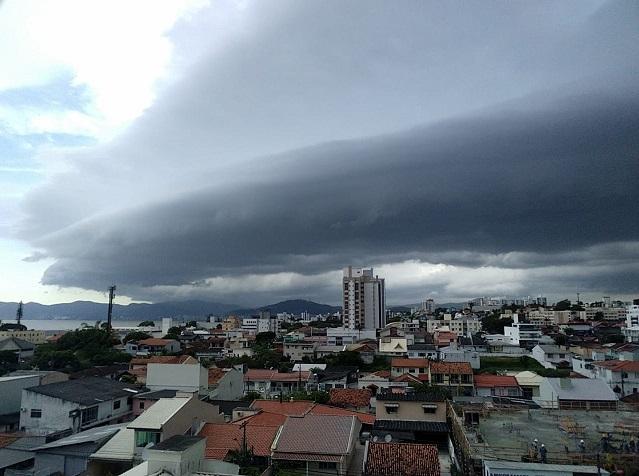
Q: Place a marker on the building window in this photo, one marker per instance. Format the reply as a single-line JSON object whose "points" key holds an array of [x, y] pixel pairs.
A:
{"points": [[141, 405], [391, 409], [430, 408], [116, 404], [36, 413], [327, 465], [143, 438], [89, 415]]}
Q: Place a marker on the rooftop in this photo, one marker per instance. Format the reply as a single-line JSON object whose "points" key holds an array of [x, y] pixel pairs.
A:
{"points": [[262, 375], [434, 395], [157, 394], [619, 365], [177, 443], [412, 363], [450, 367], [156, 341], [350, 397], [158, 414], [224, 437], [491, 381], [300, 436], [581, 389], [87, 391], [408, 459]]}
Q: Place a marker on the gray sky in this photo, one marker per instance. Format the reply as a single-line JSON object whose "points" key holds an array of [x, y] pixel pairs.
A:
{"points": [[461, 148]]}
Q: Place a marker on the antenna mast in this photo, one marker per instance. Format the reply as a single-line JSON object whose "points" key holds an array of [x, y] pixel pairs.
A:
{"points": [[19, 313], [110, 313]]}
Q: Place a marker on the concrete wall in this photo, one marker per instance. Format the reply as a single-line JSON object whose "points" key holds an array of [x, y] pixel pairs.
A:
{"points": [[11, 392], [183, 377], [229, 387], [193, 414], [410, 411], [55, 413]]}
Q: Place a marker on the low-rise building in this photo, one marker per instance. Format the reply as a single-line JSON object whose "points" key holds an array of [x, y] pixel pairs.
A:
{"points": [[20, 347], [297, 444], [344, 335], [75, 405], [457, 377], [551, 356], [416, 367], [457, 353], [296, 351], [225, 384], [354, 399], [423, 351], [622, 376], [391, 459], [460, 324], [576, 394], [189, 377], [523, 334], [33, 336], [529, 383], [393, 346], [271, 383], [11, 396], [487, 385]]}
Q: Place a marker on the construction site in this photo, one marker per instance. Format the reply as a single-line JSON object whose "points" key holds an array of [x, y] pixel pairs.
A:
{"points": [[486, 431]]}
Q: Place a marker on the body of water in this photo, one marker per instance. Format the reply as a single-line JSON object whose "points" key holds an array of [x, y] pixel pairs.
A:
{"points": [[70, 324]]}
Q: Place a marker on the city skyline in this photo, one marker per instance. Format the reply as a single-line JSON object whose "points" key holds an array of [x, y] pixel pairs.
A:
{"points": [[237, 152]]}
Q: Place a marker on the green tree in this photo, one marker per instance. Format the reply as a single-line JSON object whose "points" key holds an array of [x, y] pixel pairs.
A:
{"points": [[135, 336], [563, 305], [173, 333], [146, 324], [265, 339], [250, 396], [8, 361], [315, 396], [191, 324]]}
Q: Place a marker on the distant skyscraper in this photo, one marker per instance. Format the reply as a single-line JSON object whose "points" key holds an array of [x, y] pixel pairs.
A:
{"points": [[364, 299]]}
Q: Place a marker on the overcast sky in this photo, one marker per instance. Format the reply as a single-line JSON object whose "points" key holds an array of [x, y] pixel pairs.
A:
{"points": [[245, 151]]}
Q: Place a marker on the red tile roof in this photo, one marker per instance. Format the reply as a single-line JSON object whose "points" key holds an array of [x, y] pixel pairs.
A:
{"points": [[412, 363], [407, 459], [154, 341], [350, 397], [491, 381], [263, 419], [224, 437], [296, 408], [382, 373], [619, 365], [215, 375], [364, 418], [262, 375], [450, 367], [411, 378], [316, 435]]}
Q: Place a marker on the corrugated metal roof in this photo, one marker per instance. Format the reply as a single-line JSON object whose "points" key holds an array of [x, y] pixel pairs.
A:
{"points": [[581, 389], [119, 448], [89, 436]]}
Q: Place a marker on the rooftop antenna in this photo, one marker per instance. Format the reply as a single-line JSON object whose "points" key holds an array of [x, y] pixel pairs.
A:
{"points": [[19, 313], [110, 312]]}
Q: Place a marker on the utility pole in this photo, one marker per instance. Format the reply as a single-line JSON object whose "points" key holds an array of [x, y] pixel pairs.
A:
{"points": [[19, 314], [110, 312], [578, 299]]}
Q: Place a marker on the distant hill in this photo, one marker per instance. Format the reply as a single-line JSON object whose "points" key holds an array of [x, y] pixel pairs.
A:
{"points": [[93, 311], [292, 306]]}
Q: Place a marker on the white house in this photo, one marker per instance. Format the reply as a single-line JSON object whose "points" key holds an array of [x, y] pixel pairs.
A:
{"points": [[622, 376], [74, 405], [188, 377], [525, 334], [551, 355]]}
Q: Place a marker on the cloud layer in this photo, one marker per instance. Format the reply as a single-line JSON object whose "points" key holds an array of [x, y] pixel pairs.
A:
{"points": [[478, 151]]}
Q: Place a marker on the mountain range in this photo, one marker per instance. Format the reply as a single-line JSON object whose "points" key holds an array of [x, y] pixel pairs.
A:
{"points": [[93, 311]]}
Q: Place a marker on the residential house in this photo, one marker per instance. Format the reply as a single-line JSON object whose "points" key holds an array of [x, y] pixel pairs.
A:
{"points": [[529, 382], [354, 399], [576, 394], [622, 376], [456, 353], [11, 396], [365, 349], [143, 400], [167, 417], [240, 346], [75, 405], [627, 351], [297, 444], [444, 337], [138, 365], [225, 384], [158, 346], [552, 356], [20, 347], [44, 376], [180, 455], [408, 459], [190, 377], [487, 385], [393, 346], [457, 377], [416, 367], [322, 351], [272, 383], [296, 351], [304, 407], [69, 456], [344, 335], [422, 415], [422, 351], [334, 377]]}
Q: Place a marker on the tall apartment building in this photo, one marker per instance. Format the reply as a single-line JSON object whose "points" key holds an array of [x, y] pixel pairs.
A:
{"points": [[364, 299]]}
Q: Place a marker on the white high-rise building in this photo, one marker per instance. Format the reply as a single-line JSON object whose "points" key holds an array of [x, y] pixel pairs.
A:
{"points": [[364, 299]]}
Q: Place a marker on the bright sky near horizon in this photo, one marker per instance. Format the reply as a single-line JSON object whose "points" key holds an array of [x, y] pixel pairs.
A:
{"points": [[244, 151]]}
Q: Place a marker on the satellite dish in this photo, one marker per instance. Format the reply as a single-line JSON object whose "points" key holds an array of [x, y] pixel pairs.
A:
{"points": [[388, 438], [375, 439]]}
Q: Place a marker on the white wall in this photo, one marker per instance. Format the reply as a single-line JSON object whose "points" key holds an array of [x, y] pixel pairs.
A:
{"points": [[11, 391], [183, 377]]}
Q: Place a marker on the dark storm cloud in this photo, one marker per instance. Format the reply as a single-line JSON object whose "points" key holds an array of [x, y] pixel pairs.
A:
{"points": [[550, 181], [522, 170]]}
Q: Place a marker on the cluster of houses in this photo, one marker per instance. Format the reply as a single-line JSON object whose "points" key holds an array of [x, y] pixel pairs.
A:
{"points": [[423, 411]]}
